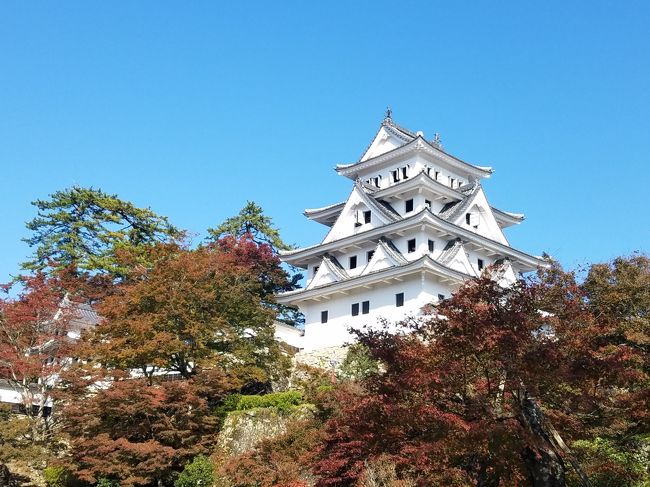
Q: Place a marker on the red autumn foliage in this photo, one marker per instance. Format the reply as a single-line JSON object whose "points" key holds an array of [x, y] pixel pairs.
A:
{"points": [[458, 402]]}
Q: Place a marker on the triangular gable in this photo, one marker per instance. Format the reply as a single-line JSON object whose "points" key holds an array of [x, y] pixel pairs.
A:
{"points": [[455, 257], [388, 137], [385, 256], [504, 273], [481, 217], [329, 271], [350, 220]]}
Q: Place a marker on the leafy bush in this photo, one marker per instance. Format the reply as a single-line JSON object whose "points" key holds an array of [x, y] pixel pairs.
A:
{"points": [[104, 482], [358, 364], [56, 476], [283, 401], [199, 473]]}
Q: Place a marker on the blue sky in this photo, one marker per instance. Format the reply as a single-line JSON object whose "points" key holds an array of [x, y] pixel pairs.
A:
{"points": [[193, 108]]}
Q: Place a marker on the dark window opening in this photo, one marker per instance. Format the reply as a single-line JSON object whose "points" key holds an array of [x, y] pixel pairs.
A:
{"points": [[427, 203], [365, 307], [369, 255], [366, 216], [468, 218], [353, 262], [355, 309], [404, 172], [399, 299], [432, 245], [410, 245], [315, 269], [436, 174], [395, 174], [408, 206], [480, 264], [441, 297], [451, 182], [323, 316]]}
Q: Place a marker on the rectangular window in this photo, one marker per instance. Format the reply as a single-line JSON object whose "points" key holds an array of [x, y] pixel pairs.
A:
{"points": [[404, 172], [395, 174], [432, 245], [410, 245], [427, 204], [323, 316], [480, 264], [468, 218], [436, 175], [441, 297], [451, 182], [353, 262], [355, 309], [408, 205], [315, 269], [369, 255], [366, 216], [365, 307], [399, 299]]}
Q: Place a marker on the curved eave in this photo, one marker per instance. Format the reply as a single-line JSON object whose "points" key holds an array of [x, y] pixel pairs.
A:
{"points": [[300, 257], [326, 215], [423, 264], [418, 144], [506, 219], [409, 184]]}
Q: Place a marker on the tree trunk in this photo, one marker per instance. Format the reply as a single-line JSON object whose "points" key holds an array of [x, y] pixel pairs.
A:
{"points": [[545, 465]]}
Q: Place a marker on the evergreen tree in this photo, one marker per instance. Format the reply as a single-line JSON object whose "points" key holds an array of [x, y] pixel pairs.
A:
{"points": [[87, 229]]}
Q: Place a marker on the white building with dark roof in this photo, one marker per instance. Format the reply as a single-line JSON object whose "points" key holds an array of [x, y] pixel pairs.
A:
{"points": [[416, 225]]}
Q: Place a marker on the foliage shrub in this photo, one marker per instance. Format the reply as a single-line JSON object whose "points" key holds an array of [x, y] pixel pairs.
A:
{"points": [[283, 401], [105, 482], [56, 476], [198, 473], [358, 364]]}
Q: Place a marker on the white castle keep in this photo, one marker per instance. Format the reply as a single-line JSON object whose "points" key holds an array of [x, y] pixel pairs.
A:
{"points": [[415, 226]]}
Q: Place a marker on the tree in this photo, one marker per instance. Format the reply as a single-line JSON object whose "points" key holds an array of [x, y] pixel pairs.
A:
{"points": [[193, 308], [255, 242], [136, 433], [87, 229], [251, 221], [199, 473], [489, 388], [34, 349]]}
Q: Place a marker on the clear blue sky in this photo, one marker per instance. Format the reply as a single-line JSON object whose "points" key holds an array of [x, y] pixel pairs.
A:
{"points": [[192, 108]]}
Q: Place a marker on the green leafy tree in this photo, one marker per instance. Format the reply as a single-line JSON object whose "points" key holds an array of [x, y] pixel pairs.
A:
{"points": [[87, 229], [256, 243], [199, 473], [252, 221], [358, 364]]}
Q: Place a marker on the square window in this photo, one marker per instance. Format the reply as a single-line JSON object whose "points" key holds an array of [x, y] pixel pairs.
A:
{"points": [[408, 206], [369, 255], [441, 297], [353, 262], [432, 245], [323, 316], [366, 216], [399, 299], [365, 307], [410, 245], [355, 309]]}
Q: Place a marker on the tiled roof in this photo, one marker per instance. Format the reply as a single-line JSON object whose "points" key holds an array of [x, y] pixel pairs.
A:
{"points": [[453, 210]]}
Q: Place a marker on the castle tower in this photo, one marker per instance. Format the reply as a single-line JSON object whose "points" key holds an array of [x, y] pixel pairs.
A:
{"points": [[414, 227]]}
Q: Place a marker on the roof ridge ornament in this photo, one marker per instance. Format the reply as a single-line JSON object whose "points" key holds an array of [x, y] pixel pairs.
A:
{"points": [[437, 141], [389, 113]]}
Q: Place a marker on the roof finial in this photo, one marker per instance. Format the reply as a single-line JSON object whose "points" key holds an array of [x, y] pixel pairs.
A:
{"points": [[389, 113], [437, 141]]}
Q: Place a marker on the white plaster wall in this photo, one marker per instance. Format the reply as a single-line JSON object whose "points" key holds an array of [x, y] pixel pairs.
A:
{"points": [[417, 291]]}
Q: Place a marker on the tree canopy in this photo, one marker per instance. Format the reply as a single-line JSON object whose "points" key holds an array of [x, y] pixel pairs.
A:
{"points": [[87, 229], [252, 221]]}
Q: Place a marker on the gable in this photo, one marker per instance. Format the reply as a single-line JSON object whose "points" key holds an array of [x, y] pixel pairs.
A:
{"points": [[384, 257], [384, 141], [329, 271], [351, 219], [481, 218]]}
